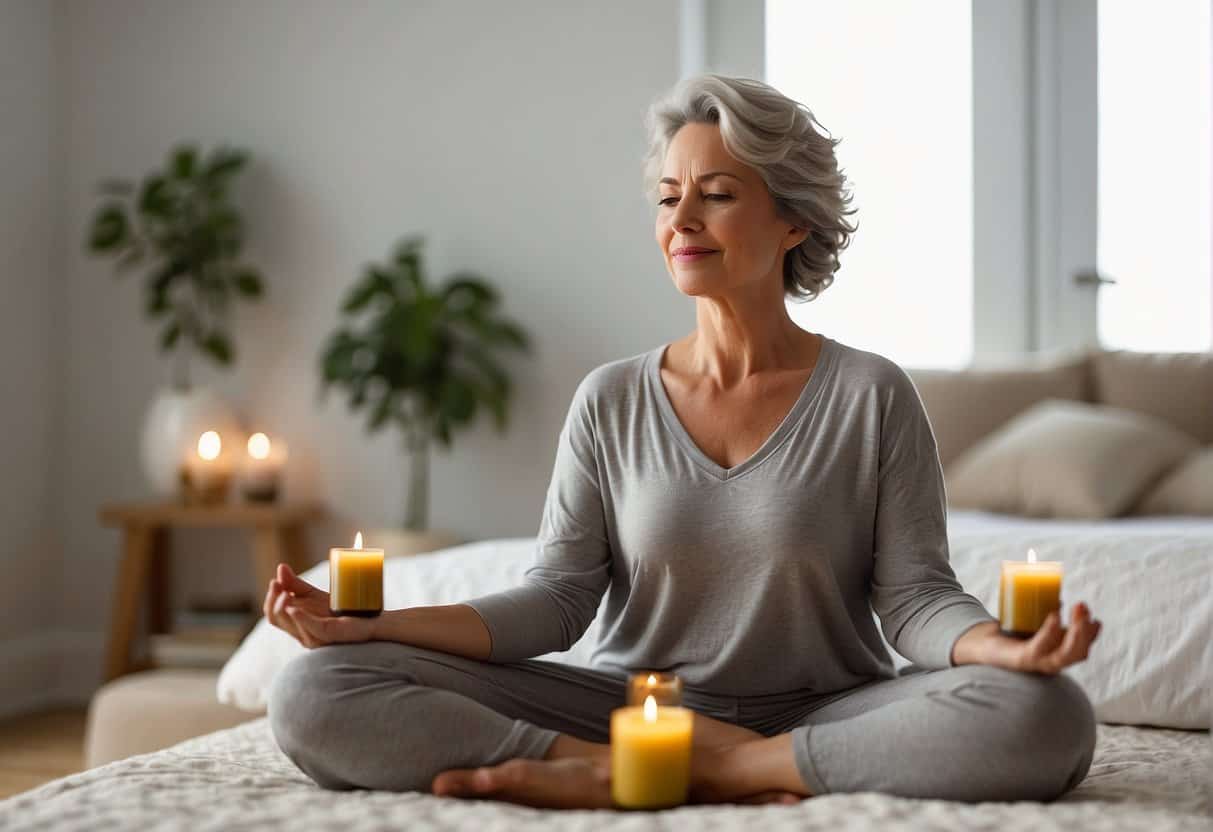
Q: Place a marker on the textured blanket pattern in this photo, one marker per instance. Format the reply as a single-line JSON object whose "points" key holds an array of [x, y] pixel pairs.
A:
{"points": [[237, 779]]}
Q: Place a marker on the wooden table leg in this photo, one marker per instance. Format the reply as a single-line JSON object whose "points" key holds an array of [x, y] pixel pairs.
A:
{"points": [[132, 570], [159, 583], [294, 541], [268, 552]]}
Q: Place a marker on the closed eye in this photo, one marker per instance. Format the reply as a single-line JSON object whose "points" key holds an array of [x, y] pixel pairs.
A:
{"points": [[668, 199]]}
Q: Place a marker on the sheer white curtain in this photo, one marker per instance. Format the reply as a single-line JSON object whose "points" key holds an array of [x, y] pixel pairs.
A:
{"points": [[893, 80], [1154, 175]]}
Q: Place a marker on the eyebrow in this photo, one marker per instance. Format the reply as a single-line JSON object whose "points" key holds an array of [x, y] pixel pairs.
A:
{"points": [[668, 181]]}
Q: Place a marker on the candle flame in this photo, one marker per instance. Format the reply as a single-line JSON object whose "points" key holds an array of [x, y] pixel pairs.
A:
{"points": [[652, 680], [358, 540], [209, 445], [1031, 556], [650, 709], [259, 446]]}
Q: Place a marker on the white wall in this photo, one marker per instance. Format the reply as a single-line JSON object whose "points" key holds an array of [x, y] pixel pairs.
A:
{"points": [[510, 133], [29, 339]]}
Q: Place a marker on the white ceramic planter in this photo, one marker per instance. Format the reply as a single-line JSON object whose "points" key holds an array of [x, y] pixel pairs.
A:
{"points": [[174, 421]]}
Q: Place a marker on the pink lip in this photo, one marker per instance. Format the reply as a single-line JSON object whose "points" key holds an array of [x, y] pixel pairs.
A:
{"points": [[689, 255]]}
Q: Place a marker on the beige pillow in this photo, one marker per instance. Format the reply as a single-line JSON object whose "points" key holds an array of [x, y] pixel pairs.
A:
{"points": [[1067, 459], [1188, 489], [1003, 392], [1176, 387]]}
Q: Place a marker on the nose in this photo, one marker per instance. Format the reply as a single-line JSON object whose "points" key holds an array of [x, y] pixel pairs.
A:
{"points": [[685, 218]]}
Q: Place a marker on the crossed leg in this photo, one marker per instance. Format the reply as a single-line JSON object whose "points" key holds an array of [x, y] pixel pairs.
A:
{"points": [[390, 716], [968, 733]]}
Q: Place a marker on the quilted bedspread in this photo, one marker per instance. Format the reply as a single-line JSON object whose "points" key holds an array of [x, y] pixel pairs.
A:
{"points": [[1141, 778]]}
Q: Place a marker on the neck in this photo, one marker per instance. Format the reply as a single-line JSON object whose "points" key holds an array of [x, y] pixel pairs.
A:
{"points": [[737, 337]]}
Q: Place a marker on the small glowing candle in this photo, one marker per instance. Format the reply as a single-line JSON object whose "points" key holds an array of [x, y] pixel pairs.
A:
{"points": [[650, 755], [262, 467], [1027, 593], [665, 688], [205, 473], [356, 580]]}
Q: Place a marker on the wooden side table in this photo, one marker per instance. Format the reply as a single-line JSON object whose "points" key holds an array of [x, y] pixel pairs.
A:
{"points": [[278, 536]]}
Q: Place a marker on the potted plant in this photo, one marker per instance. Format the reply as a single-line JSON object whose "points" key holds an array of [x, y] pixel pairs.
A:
{"points": [[180, 225], [421, 359]]}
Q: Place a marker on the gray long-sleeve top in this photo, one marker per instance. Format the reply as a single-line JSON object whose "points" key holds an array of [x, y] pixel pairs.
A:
{"points": [[748, 580]]}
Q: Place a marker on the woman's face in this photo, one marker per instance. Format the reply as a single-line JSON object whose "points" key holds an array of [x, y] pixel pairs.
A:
{"points": [[709, 200]]}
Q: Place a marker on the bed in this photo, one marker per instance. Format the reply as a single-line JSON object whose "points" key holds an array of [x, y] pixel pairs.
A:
{"points": [[1159, 778], [1154, 779]]}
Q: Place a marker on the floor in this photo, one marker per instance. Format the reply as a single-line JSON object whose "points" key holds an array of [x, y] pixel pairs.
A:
{"points": [[36, 748]]}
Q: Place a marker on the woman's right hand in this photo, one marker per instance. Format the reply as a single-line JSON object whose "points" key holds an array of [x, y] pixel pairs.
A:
{"points": [[296, 607]]}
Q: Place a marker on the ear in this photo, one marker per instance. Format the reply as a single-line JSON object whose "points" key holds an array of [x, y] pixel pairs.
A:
{"points": [[795, 237]]}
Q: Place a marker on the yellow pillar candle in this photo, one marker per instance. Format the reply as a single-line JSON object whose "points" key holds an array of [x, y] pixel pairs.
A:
{"points": [[650, 755], [356, 580], [1027, 593]]}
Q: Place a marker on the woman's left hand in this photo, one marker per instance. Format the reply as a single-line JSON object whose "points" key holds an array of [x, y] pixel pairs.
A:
{"points": [[1051, 649]]}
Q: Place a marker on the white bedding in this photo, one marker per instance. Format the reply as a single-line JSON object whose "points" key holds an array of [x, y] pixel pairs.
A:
{"points": [[1147, 579], [1141, 778]]}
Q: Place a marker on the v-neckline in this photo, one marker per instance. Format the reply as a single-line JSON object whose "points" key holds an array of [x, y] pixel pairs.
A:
{"points": [[670, 417]]}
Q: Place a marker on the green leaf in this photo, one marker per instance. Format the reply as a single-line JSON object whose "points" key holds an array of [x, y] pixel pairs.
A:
{"points": [[157, 303], [222, 163], [183, 161], [358, 297], [469, 291], [162, 278], [170, 335], [458, 401], [382, 411], [248, 283], [513, 334], [337, 360], [218, 346], [443, 432], [110, 228], [497, 377], [154, 200]]}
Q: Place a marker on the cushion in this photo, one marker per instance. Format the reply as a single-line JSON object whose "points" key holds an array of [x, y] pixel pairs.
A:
{"points": [[1004, 392], [151, 710], [1066, 459], [1174, 387], [1187, 489]]}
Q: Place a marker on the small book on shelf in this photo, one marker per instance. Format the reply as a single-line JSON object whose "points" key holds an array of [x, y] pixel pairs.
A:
{"points": [[205, 634]]}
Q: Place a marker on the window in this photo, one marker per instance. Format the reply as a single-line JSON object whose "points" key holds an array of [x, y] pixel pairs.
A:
{"points": [[1154, 185], [893, 81]]}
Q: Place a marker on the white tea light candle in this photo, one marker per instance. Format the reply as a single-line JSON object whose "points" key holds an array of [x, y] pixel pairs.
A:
{"points": [[205, 472], [261, 472]]}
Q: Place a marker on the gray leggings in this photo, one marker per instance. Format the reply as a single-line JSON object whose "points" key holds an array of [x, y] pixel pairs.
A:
{"points": [[383, 715]]}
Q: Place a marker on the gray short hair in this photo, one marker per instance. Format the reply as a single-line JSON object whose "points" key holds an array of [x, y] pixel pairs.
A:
{"points": [[774, 134]]}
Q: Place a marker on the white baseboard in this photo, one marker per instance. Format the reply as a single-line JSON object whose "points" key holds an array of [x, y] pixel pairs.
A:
{"points": [[49, 670]]}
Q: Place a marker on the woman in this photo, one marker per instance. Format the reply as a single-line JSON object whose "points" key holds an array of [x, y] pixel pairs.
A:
{"points": [[742, 495]]}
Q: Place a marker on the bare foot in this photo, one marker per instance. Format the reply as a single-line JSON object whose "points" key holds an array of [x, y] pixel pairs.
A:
{"points": [[567, 783], [718, 775]]}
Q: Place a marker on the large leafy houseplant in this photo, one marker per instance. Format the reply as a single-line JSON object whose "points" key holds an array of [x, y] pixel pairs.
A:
{"points": [[180, 223], [421, 358]]}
